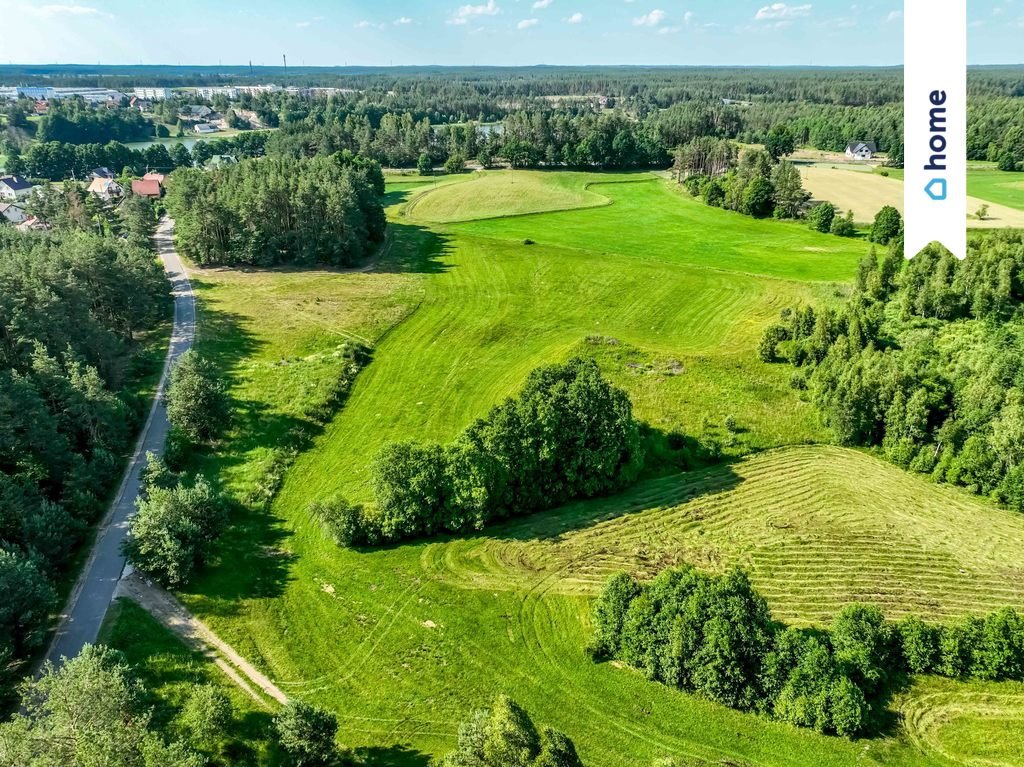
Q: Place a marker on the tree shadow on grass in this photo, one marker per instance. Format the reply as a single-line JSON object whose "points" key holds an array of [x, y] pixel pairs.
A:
{"points": [[390, 756], [248, 559], [646, 495]]}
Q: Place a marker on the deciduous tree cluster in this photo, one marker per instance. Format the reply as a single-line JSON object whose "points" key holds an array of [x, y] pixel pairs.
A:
{"points": [[568, 434], [715, 636], [924, 361]]}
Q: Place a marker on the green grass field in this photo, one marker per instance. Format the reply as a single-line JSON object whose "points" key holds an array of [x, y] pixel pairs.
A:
{"points": [[670, 297]]}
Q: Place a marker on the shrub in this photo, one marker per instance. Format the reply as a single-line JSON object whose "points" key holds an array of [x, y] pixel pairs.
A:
{"points": [[197, 401], [821, 216], [887, 226], [342, 520], [306, 735], [844, 227], [173, 530]]}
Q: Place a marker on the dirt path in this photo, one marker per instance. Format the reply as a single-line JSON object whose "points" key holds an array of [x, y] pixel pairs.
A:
{"points": [[197, 635]]}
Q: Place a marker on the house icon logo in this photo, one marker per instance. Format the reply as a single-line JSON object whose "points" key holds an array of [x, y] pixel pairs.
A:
{"points": [[936, 189]]}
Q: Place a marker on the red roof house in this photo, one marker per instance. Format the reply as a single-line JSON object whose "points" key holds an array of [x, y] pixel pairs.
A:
{"points": [[147, 187]]}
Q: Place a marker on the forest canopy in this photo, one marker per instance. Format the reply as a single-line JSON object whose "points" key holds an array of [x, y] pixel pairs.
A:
{"points": [[278, 210], [73, 306]]}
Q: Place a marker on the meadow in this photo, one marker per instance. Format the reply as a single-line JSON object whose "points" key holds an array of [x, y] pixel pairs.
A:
{"points": [[670, 297]]}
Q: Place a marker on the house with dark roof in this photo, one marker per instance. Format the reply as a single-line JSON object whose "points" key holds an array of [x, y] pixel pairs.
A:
{"points": [[13, 188], [861, 150], [101, 173]]}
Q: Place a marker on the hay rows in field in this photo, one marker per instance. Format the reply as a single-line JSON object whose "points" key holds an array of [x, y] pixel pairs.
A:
{"points": [[928, 717], [816, 528]]}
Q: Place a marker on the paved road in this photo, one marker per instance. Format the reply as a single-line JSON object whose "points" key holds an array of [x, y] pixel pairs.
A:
{"points": [[87, 606]]}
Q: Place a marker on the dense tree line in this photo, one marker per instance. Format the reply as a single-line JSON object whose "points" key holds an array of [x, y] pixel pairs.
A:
{"points": [[923, 361], [55, 161], [715, 636], [73, 121], [72, 306], [568, 434], [279, 210]]}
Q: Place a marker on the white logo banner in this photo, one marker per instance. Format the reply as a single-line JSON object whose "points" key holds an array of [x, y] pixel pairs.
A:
{"points": [[935, 133]]}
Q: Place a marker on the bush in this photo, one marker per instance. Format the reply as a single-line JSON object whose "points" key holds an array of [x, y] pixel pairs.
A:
{"points": [[342, 520], [306, 734], [505, 736], [844, 227], [197, 400], [887, 226], [173, 530], [821, 216]]}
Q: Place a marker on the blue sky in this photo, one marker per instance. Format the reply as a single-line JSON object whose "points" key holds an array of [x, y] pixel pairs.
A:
{"points": [[504, 32]]}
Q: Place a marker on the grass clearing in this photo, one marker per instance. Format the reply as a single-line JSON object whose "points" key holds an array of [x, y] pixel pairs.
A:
{"points": [[402, 642], [865, 193], [495, 194]]}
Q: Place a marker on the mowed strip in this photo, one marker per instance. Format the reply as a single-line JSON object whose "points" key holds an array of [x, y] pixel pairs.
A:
{"points": [[865, 193], [817, 528]]}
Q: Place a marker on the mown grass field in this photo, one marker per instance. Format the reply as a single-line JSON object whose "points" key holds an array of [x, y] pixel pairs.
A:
{"points": [[670, 297], [857, 188]]}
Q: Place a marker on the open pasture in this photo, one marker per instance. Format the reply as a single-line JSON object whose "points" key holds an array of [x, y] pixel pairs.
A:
{"points": [[670, 297]]}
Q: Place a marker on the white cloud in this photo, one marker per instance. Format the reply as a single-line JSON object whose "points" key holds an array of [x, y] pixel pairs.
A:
{"points": [[670, 30], [543, 3], [652, 19], [687, 18], [403, 20], [576, 18], [362, 24], [302, 24], [782, 11], [465, 13], [894, 16], [527, 23]]}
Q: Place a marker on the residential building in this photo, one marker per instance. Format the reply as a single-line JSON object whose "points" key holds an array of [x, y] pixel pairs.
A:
{"points": [[105, 188], [200, 111], [220, 160], [154, 176], [14, 188], [147, 188], [12, 213], [205, 128], [101, 173], [152, 94], [861, 150]]}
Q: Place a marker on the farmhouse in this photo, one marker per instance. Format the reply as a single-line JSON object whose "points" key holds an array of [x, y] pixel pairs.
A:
{"points": [[861, 150], [147, 187], [101, 173], [205, 128], [105, 188], [12, 213], [14, 188], [154, 176]]}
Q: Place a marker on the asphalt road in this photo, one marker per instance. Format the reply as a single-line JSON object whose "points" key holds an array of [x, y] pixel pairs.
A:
{"points": [[87, 606]]}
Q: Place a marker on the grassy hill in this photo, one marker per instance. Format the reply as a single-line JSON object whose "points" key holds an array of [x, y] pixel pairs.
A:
{"points": [[670, 297]]}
